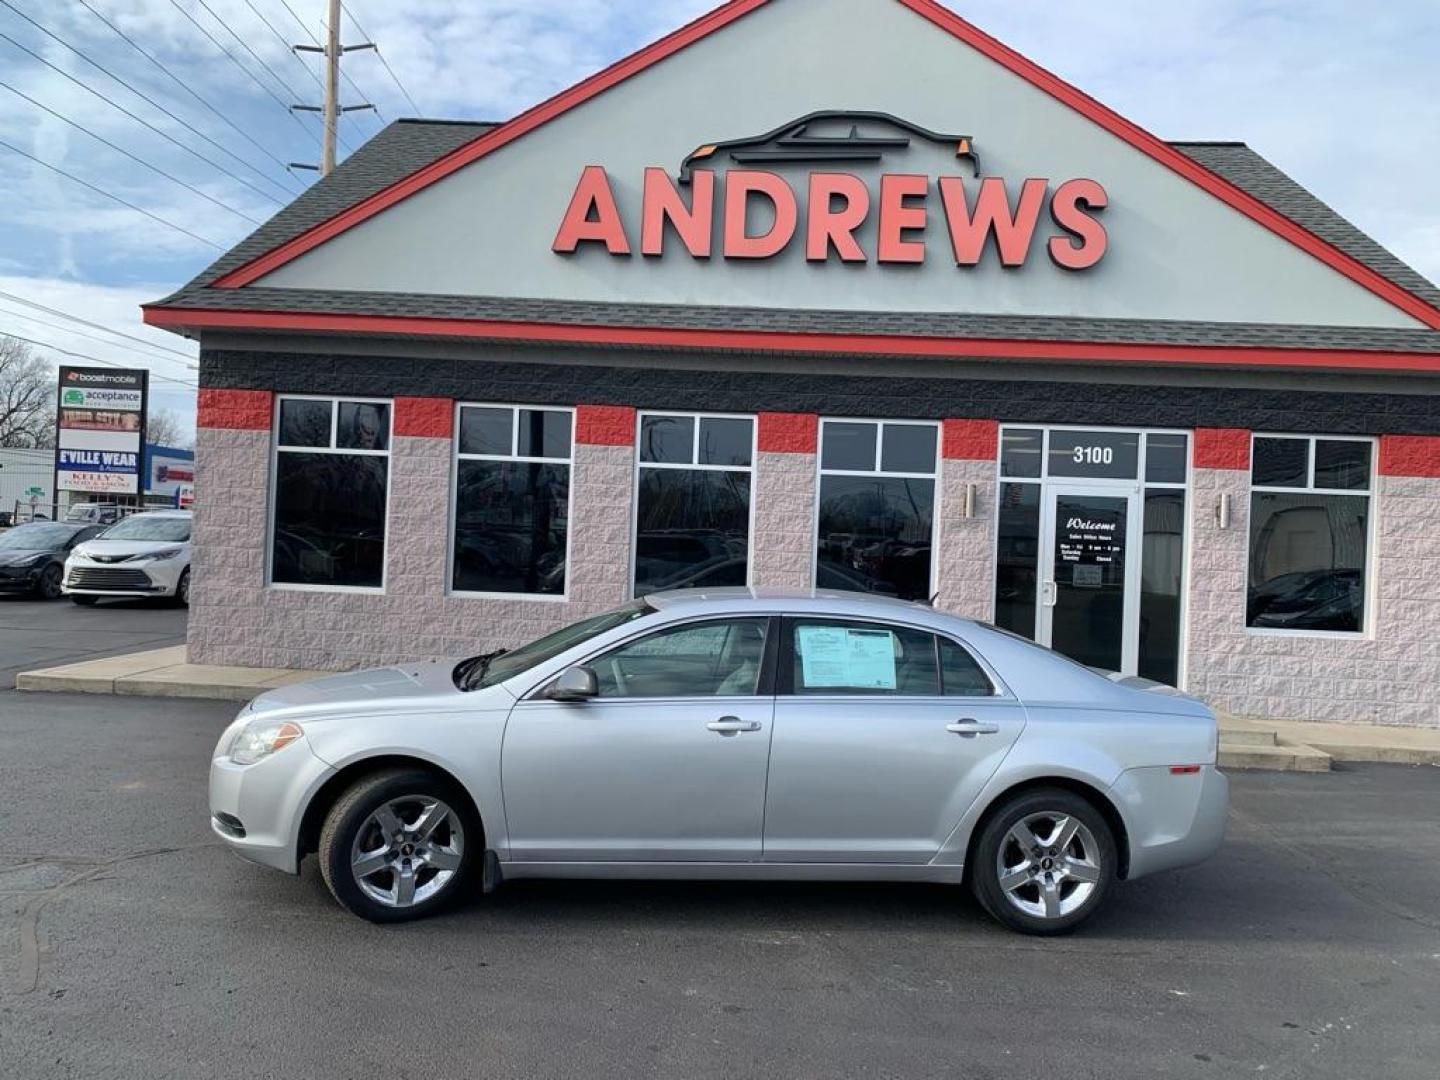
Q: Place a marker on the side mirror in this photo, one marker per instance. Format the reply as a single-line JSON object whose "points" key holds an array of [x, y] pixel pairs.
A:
{"points": [[574, 684]]}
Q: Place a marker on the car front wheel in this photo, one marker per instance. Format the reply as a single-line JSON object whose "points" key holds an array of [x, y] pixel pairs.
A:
{"points": [[49, 584], [182, 590], [1044, 862], [399, 845]]}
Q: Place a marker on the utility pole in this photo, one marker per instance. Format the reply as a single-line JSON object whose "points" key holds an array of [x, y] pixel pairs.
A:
{"points": [[331, 110]]}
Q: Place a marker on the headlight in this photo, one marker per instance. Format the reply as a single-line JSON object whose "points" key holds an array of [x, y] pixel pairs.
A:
{"points": [[168, 553], [261, 738]]}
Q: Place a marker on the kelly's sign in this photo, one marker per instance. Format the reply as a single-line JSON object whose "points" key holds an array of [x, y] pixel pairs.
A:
{"points": [[909, 210]]}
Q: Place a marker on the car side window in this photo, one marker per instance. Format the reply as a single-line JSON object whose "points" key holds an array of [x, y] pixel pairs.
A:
{"points": [[833, 656], [960, 674], [710, 659]]}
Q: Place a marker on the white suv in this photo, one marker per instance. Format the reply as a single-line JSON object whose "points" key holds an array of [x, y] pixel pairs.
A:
{"points": [[145, 555]]}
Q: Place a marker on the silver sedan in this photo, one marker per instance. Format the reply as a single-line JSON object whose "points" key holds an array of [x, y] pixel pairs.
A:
{"points": [[730, 734]]}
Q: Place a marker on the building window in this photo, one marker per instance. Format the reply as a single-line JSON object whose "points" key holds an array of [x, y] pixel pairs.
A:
{"points": [[1309, 533], [512, 500], [332, 471], [877, 507], [692, 501]]}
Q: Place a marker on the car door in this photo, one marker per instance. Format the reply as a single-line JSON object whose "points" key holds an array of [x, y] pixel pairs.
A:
{"points": [[666, 764], [884, 736]]}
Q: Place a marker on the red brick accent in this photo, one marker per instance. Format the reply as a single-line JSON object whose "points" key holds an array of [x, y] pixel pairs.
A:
{"points": [[1222, 448], [235, 410], [424, 417], [971, 440], [789, 433], [1409, 455], [605, 425]]}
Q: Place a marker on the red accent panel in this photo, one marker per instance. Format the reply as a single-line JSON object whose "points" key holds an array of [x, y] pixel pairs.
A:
{"points": [[789, 433], [1173, 159], [828, 226], [1410, 455], [777, 341], [424, 417], [971, 440], [491, 141], [605, 425], [593, 216], [739, 185], [235, 410], [1088, 240], [899, 215], [694, 224], [1222, 448]]}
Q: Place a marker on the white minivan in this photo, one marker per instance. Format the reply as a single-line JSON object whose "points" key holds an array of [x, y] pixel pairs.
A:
{"points": [[145, 555]]}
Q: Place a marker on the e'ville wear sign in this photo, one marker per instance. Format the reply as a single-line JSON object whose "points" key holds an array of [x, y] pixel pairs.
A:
{"points": [[100, 430], [973, 208]]}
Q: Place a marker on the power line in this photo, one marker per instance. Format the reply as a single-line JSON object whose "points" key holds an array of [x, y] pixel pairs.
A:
{"points": [[93, 325], [112, 198], [190, 90], [97, 360], [379, 56], [133, 157], [343, 73], [78, 333], [234, 60], [313, 77], [144, 97]]}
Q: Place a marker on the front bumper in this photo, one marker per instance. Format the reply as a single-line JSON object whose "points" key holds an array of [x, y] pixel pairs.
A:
{"points": [[1172, 820], [267, 801], [20, 578], [84, 577]]}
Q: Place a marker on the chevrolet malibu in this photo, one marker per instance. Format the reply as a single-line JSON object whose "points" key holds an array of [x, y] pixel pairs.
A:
{"points": [[736, 734]]}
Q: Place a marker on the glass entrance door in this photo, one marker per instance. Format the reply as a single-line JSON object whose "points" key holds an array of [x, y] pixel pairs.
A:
{"points": [[1089, 588]]}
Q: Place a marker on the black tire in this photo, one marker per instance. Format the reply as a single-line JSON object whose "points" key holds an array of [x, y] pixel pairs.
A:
{"points": [[182, 589], [352, 812], [85, 601], [48, 587], [984, 871]]}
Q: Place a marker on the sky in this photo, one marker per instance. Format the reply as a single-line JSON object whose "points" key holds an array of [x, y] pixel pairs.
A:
{"points": [[1341, 94]]}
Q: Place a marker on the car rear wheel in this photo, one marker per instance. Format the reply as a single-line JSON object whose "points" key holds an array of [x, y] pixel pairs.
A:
{"points": [[85, 601], [399, 845], [49, 584], [1044, 862]]}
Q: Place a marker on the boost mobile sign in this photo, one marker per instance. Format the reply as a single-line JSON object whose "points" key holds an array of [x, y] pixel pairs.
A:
{"points": [[100, 430]]}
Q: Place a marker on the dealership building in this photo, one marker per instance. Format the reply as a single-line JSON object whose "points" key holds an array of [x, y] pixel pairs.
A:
{"points": [[836, 293]]}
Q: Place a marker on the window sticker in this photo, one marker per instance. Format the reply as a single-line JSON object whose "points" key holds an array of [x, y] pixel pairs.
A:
{"points": [[839, 656]]}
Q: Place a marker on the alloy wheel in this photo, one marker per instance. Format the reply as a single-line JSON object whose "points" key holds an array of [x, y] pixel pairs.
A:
{"points": [[1048, 865], [407, 851], [50, 583]]}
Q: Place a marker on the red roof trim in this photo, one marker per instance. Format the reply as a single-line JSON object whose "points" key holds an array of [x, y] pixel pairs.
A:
{"points": [[778, 341], [488, 143], [1168, 156], [942, 17]]}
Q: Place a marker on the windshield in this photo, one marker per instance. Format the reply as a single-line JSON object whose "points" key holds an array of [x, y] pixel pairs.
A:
{"points": [[507, 665], [36, 537], [144, 527]]}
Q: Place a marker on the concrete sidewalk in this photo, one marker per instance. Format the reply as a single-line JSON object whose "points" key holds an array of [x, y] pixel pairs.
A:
{"points": [[1282, 745]]}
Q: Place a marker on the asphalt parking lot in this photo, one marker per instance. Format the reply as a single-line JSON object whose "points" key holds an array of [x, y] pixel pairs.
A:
{"points": [[40, 633], [131, 945]]}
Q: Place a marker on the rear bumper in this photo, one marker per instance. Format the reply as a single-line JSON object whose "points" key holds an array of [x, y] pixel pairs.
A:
{"points": [[1172, 820]]}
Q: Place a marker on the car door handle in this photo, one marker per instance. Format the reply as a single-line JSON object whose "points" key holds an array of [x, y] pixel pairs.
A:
{"points": [[732, 725], [968, 729]]}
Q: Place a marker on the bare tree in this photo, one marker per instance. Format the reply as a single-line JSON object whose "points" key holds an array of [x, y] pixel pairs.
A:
{"points": [[27, 397], [163, 428]]}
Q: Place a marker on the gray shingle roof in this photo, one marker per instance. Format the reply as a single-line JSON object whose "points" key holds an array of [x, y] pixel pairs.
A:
{"points": [[405, 146]]}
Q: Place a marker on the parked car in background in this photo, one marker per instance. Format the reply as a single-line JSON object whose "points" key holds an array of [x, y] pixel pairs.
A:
{"points": [[146, 555], [730, 734], [93, 513], [32, 556]]}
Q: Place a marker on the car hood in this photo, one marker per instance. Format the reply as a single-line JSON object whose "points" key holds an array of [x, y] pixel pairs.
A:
{"points": [[362, 690], [11, 556], [90, 548]]}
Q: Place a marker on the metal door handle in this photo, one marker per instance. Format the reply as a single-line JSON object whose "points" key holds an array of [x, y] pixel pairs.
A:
{"points": [[968, 729], [732, 725]]}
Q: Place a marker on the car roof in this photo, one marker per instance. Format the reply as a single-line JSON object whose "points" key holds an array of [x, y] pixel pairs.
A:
{"points": [[831, 600]]}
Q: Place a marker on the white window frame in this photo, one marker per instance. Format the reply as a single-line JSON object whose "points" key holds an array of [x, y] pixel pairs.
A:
{"points": [[335, 401], [514, 456], [640, 417], [1367, 617], [821, 472]]}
